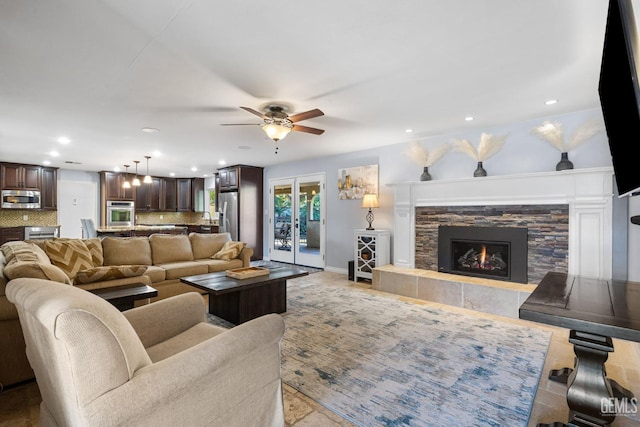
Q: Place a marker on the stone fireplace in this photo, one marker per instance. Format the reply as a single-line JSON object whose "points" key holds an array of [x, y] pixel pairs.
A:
{"points": [[568, 216]]}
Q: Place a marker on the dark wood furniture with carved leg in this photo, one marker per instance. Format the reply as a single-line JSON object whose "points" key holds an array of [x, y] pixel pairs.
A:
{"points": [[595, 311], [240, 300]]}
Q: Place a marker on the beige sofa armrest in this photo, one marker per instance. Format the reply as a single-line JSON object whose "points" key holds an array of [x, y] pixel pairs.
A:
{"points": [[166, 318], [230, 380], [245, 256]]}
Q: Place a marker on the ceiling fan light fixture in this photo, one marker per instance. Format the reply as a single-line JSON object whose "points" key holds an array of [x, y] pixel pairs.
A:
{"points": [[276, 131]]}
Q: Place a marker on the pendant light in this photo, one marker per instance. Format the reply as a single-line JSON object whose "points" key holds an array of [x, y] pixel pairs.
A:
{"points": [[147, 177], [136, 181], [126, 183]]}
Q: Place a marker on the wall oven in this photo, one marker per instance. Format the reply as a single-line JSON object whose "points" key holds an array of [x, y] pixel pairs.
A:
{"points": [[120, 213], [20, 199]]}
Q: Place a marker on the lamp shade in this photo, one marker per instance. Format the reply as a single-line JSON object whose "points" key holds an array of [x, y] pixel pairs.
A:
{"points": [[276, 131], [370, 201]]}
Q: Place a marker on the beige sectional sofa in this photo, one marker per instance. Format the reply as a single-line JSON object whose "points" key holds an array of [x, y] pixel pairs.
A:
{"points": [[159, 260]]}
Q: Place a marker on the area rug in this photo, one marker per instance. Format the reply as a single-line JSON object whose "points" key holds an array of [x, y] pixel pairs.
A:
{"points": [[378, 361]]}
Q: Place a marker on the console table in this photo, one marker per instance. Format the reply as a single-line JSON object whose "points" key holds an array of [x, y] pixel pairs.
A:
{"points": [[595, 311]]}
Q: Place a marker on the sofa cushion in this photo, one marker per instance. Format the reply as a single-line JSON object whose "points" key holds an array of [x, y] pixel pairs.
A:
{"points": [[36, 270], [126, 250], [229, 251], [215, 265], [9, 250], [155, 274], [70, 255], [206, 245], [95, 249], [176, 270], [111, 272], [167, 248]]}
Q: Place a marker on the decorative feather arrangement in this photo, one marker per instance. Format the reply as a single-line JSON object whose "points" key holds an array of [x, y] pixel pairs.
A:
{"points": [[553, 133], [424, 157], [489, 145]]}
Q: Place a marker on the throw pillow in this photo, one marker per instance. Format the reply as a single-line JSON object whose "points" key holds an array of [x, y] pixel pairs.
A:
{"points": [[70, 255], [229, 251], [95, 249], [35, 270], [206, 245], [99, 274]]}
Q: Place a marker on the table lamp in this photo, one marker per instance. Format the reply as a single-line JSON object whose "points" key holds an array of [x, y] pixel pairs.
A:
{"points": [[370, 201]]}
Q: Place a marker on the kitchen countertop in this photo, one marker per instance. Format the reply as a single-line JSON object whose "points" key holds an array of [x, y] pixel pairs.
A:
{"points": [[139, 228]]}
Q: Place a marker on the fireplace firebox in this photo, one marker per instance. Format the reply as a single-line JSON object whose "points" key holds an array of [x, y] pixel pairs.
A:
{"points": [[498, 253]]}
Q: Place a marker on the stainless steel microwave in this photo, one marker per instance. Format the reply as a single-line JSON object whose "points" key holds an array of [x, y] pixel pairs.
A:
{"points": [[20, 199]]}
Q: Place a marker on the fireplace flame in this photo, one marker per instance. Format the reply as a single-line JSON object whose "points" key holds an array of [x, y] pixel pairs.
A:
{"points": [[483, 256]]}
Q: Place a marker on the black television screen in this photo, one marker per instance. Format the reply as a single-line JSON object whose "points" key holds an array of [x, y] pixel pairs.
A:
{"points": [[620, 94]]}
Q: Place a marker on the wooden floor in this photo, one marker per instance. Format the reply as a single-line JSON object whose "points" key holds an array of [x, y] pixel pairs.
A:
{"points": [[19, 405]]}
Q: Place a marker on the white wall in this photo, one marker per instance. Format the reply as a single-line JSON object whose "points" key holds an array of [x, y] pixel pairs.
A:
{"points": [[522, 152], [78, 197]]}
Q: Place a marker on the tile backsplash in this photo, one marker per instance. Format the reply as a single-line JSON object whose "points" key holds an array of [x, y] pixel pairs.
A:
{"points": [[24, 217]]}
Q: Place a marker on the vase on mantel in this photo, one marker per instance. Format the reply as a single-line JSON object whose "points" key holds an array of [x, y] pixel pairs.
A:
{"points": [[426, 176], [564, 162], [479, 171]]}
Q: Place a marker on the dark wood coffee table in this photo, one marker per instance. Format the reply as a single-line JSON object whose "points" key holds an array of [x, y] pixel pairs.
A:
{"points": [[123, 297], [240, 300]]}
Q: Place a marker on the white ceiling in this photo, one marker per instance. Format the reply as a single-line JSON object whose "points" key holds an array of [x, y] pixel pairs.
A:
{"points": [[97, 71]]}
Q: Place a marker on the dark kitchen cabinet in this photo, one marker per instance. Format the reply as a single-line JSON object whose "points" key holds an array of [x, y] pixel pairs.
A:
{"points": [[228, 179], [190, 194], [11, 234], [168, 202], [149, 196], [184, 196], [49, 188], [20, 177], [111, 187]]}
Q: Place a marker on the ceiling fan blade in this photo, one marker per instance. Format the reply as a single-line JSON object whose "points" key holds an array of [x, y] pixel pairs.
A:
{"points": [[306, 115], [252, 111], [240, 124], [307, 129]]}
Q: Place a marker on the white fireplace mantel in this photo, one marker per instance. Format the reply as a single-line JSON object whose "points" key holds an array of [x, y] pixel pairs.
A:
{"points": [[588, 192]]}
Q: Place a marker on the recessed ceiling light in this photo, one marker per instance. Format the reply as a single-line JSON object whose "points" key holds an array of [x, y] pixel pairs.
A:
{"points": [[244, 147], [551, 102], [172, 174], [150, 130], [205, 175], [116, 169], [408, 130], [222, 163], [54, 153], [64, 140], [193, 169], [46, 162], [469, 118], [157, 153]]}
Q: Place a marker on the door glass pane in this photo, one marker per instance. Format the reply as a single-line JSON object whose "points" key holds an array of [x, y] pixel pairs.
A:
{"points": [[309, 217], [282, 198]]}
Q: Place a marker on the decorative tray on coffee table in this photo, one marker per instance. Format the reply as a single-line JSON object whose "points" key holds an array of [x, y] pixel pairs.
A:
{"points": [[247, 272]]}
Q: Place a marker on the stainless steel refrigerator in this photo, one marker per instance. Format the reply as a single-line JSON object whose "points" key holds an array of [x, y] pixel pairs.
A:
{"points": [[228, 219]]}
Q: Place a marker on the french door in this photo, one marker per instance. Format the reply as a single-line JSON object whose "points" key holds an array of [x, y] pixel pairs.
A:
{"points": [[297, 220]]}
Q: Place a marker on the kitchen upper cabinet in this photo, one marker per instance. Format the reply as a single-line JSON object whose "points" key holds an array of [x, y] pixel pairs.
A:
{"points": [[168, 202], [149, 196], [184, 196], [111, 187], [228, 179], [49, 188], [20, 177]]}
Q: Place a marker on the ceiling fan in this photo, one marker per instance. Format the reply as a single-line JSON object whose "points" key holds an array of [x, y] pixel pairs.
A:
{"points": [[277, 123]]}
